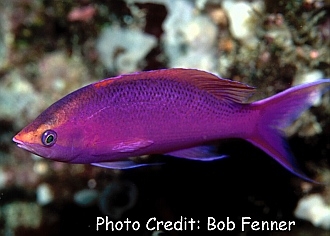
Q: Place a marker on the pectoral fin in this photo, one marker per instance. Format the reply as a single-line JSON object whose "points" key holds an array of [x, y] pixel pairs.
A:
{"points": [[200, 153], [132, 145]]}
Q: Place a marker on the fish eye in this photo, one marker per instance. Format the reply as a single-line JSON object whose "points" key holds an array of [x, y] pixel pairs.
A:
{"points": [[49, 138]]}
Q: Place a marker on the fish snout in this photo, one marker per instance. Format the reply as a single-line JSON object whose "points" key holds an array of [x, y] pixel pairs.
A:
{"points": [[21, 144]]}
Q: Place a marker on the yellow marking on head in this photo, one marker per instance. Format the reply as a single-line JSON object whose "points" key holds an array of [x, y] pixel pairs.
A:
{"points": [[33, 136], [104, 83]]}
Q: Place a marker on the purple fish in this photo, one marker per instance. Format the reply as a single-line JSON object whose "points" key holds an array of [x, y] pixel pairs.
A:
{"points": [[177, 112]]}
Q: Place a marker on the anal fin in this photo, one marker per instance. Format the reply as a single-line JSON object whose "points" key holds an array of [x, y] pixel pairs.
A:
{"points": [[200, 153]]}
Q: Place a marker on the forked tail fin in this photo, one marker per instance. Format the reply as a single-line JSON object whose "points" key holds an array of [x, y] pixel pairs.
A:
{"points": [[279, 111]]}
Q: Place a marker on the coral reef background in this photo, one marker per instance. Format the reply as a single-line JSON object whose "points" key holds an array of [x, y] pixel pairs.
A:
{"points": [[50, 48]]}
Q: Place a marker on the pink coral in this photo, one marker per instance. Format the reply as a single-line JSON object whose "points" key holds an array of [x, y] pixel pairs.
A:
{"points": [[82, 13]]}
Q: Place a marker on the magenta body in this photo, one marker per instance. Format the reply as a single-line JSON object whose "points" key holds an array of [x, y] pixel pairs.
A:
{"points": [[165, 111]]}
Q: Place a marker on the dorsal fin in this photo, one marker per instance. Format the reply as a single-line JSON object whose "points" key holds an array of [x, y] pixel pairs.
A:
{"points": [[223, 89]]}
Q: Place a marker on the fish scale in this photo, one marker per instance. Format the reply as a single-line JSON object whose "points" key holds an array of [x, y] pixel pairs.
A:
{"points": [[178, 112], [187, 105]]}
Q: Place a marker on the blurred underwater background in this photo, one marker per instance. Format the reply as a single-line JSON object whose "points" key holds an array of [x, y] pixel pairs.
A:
{"points": [[51, 48]]}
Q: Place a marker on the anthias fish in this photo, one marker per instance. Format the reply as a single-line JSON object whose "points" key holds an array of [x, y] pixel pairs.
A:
{"points": [[176, 112]]}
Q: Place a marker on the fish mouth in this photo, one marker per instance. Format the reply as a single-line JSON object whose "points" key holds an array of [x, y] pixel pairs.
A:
{"points": [[22, 145]]}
